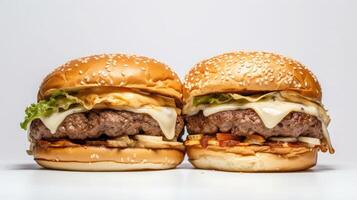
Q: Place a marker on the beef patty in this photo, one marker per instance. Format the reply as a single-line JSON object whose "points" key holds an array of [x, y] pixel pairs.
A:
{"points": [[96, 123], [246, 122]]}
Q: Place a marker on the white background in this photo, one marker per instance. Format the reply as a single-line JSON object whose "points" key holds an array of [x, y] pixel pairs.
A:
{"points": [[37, 36]]}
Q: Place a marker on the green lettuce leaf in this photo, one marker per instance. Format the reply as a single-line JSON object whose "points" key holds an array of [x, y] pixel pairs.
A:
{"points": [[228, 97], [212, 99], [59, 101]]}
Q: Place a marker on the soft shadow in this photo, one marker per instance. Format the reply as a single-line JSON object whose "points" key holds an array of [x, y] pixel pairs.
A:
{"points": [[321, 168], [33, 166], [26, 166], [185, 165], [316, 169]]}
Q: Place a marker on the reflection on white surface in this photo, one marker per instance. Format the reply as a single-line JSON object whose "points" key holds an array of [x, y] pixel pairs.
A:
{"points": [[28, 181]]}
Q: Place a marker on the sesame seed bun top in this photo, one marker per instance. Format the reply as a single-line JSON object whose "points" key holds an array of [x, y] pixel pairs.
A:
{"points": [[250, 72], [113, 70]]}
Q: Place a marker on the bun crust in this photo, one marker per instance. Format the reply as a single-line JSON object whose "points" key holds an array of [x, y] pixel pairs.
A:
{"points": [[114, 70], [250, 72], [102, 166], [260, 162], [91, 158]]}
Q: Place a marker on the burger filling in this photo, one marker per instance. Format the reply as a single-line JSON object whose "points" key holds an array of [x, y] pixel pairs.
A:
{"points": [[247, 122], [102, 123], [96, 115], [274, 118]]}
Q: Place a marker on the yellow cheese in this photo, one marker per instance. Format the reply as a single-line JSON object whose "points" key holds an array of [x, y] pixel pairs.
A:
{"points": [[327, 137], [121, 97]]}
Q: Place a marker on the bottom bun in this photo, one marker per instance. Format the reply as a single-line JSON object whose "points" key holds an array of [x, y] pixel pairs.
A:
{"points": [[102, 166], [260, 162], [91, 158]]}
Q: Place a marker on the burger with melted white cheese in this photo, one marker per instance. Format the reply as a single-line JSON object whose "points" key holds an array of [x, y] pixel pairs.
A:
{"points": [[253, 112], [107, 113]]}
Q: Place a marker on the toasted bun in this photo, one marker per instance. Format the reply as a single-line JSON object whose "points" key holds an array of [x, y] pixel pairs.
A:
{"points": [[91, 158], [114, 70], [250, 72], [102, 166], [260, 162]]}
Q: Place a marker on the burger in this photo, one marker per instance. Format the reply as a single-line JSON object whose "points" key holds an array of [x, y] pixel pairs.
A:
{"points": [[254, 112], [107, 113]]}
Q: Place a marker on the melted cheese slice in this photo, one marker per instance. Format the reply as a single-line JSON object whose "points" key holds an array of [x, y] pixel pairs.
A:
{"points": [[53, 121], [165, 116]]}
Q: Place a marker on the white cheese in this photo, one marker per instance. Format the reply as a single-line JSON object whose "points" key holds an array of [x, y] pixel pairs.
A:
{"points": [[270, 112], [53, 121], [165, 116]]}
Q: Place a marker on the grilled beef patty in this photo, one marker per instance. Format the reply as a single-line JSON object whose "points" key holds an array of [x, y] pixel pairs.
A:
{"points": [[96, 123], [246, 122]]}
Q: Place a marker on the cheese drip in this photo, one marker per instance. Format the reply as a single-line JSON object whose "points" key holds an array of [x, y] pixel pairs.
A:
{"points": [[53, 121], [165, 116]]}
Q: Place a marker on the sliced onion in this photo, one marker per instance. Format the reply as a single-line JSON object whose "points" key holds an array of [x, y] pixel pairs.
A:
{"points": [[118, 143], [191, 142], [283, 139], [310, 140], [148, 138], [254, 139], [123, 141], [195, 137], [213, 142], [122, 138], [160, 144]]}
